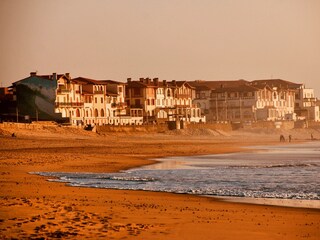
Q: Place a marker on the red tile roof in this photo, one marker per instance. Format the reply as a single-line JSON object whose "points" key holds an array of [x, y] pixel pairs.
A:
{"points": [[207, 85], [279, 83], [241, 88], [83, 80], [152, 84]]}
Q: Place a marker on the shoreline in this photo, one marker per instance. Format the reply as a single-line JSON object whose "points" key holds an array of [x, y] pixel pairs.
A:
{"points": [[280, 202], [32, 207], [277, 202]]}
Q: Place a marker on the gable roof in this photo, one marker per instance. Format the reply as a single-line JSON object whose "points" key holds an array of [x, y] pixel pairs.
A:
{"points": [[279, 83], [210, 85], [242, 88], [83, 80]]}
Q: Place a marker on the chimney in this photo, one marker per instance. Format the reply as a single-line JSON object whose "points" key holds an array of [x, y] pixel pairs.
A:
{"points": [[148, 80], [156, 81], [68, 75], [165, 82], [141, 80], [174, 82], [54, 76], [33, 74], [128, 80]]}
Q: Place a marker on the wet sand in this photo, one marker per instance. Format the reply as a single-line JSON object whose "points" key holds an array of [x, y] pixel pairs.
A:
{"points": [[31, 207]]}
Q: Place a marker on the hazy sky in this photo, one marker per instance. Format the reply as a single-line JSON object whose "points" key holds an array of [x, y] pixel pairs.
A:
{"points": [[169, 39]]}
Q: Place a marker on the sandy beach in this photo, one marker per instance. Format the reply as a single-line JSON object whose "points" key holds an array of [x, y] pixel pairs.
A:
{"points": [[33, 208]]}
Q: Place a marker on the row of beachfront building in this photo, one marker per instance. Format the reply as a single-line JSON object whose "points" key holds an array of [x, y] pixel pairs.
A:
{"points": [[84, 101]]}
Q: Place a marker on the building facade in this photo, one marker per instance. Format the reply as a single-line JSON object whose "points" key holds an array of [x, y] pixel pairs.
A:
{"points": [[162, 101], [84, 101], [306, 106], [35, 97], [93, 102], [241, 100]]}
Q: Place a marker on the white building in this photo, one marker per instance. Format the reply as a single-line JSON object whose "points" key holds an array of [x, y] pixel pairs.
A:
{"points": [[306, 104], [91, 102]]}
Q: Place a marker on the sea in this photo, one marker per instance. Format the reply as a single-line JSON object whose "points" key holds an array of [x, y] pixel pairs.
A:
{"points": [[288, 171]]}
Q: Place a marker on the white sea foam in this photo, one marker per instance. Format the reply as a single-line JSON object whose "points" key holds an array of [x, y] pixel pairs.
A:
{"points": [[286, 172]]}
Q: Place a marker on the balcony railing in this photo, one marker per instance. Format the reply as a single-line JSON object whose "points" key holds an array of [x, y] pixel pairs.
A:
{"points": [[69, 104], [312, 99], [118, 105], [136, 106], [59, 91], [98, 92], [183, 95]]}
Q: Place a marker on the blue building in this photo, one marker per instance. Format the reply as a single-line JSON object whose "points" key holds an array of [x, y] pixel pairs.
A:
{"points": [[35, 97]]}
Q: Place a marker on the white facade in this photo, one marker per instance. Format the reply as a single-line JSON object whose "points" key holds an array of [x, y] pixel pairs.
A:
{"points": [[306, 104], [91, 102]]}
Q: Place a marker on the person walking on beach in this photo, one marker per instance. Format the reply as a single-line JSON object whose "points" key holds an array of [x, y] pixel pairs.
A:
{"points": [[290, 138], [282, 139]]}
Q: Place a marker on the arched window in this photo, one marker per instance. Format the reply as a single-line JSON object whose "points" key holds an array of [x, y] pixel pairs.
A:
{"points": [[96, 113], [102, 113], [77, 113]]}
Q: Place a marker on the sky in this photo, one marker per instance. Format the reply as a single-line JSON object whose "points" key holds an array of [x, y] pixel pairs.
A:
{"points": [[169, 39]]}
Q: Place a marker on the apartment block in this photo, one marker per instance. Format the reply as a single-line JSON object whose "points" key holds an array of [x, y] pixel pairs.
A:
{"points": [[162, 101]]}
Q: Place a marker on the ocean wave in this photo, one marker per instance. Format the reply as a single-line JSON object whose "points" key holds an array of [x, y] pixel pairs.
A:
{"points": [[133, 179], [284, 165]]}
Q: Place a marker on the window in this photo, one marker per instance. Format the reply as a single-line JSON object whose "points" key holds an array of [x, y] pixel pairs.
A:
{"points": [[136, 91], [95, 100], [101, 100], [274, 95]]}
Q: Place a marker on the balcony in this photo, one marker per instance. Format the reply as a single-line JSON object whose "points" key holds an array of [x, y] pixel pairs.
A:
{"points": [[69, 104], [136, 106], [310, 99], [98, 92], [183, 95], [119, 105], [61, 91]]}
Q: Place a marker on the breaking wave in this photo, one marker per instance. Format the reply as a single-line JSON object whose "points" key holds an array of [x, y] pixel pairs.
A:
{"points": [[256, 175]]}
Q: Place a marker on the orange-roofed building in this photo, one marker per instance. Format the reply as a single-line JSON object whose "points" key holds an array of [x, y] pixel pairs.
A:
{"points": [[163, 101]]}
